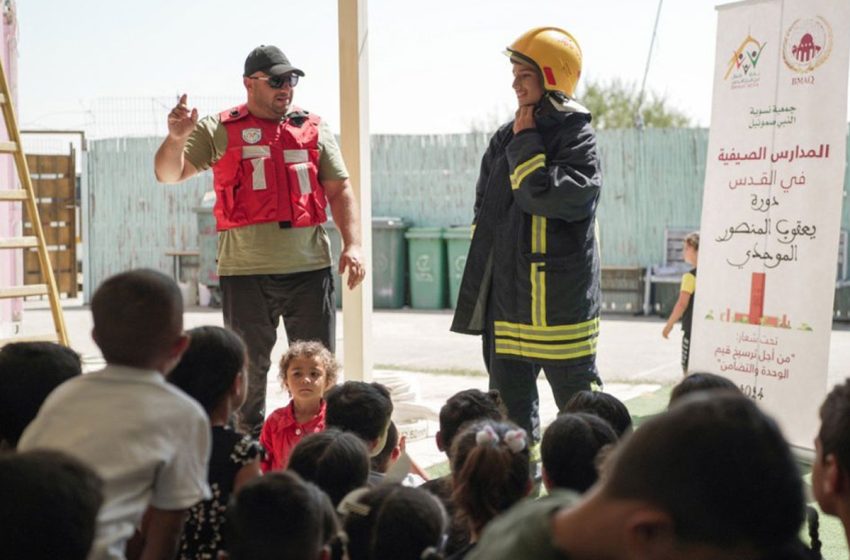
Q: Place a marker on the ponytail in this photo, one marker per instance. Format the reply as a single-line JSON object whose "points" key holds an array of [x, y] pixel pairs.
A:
{"points": [[491, 470]]}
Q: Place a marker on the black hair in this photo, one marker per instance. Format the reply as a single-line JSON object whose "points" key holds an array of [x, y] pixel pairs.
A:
{"points": [[488, 475], [606, 406], [138, 316], [701, 382], [834, 433], [29, 371], [362, 408], [49, 506], [570, 447], [336, 461], [381, 461], [278, 515], [394, 522], [467, 406], [719, 467], [209, 365]]}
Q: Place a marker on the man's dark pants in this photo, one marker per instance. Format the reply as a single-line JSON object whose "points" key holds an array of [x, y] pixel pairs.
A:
{"points": [[253, 306], [516, 381]]}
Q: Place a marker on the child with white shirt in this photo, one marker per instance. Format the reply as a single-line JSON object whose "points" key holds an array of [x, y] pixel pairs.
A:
{"points": [[148, 441]]}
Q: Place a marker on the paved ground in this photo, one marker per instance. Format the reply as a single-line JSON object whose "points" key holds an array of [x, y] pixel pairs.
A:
{"points": [[425, 363]]}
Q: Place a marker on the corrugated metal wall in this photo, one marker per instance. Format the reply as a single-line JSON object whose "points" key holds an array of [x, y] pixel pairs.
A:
{"points": [[133, 220], [652, 179]]}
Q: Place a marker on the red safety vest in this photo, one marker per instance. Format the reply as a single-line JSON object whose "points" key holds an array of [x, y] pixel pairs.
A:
{"points": [[269, 172]]}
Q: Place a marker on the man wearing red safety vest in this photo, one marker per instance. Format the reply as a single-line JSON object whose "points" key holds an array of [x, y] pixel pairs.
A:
{"points": [[275, 169]]}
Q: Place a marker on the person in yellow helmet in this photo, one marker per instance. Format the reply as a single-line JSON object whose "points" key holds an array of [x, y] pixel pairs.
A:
{"points": [[531, 283]]}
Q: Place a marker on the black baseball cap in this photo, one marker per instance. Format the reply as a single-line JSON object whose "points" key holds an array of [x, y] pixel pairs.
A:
{"points": [[271, 60]]}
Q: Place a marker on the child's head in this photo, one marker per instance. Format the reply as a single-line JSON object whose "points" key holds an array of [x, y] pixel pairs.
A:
{"points": [[393, 522], [49, 506], [491, 470], [29, 371], [570, 448], [606, 406], [336, 461], [362, 408], [382, 461], [278, 515], [690, 249], [697, 382], [712, 471], [213, 367], [138, 320], [308, 369], [831, 469], [467, 406]]}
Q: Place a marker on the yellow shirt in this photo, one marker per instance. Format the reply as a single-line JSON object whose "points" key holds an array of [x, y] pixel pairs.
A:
{"points": [[689, 283]]}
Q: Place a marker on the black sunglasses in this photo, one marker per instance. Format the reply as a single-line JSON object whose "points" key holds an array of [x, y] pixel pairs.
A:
{"points": [[277, 82]]}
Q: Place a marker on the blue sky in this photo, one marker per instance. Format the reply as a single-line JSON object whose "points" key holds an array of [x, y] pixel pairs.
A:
{"points": [[435, 66]]}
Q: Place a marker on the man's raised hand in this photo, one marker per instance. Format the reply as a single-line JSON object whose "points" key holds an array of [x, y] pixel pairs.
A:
{"points": [[182, 121]]}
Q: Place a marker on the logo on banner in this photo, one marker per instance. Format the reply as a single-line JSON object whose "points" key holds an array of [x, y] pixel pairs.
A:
{"points": [[743, 66], [252, 135], [808, 43]]}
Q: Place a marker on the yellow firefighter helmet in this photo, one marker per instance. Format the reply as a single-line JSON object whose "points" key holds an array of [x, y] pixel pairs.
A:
{"points": [[556, 55]]}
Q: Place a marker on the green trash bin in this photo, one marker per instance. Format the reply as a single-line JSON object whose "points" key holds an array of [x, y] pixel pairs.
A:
{"points": [[426, 253], [387, 263], [458, 239]]}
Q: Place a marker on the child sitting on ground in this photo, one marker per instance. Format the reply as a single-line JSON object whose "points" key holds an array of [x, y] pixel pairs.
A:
{"points": [[29, 371], [49, 506], [280, 516], [684, 308], [213, 372], [364, 409], [394, 522], [831, 468], [696, 382], [465, 406], [491, 470], [570, 448], [387, 463], [147, 439], [335, 461], [307, 370], [604, 405]]}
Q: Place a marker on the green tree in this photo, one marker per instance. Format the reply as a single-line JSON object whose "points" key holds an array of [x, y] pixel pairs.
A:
{"points": [[613, 105]]}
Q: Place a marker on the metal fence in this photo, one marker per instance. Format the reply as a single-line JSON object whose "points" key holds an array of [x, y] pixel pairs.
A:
{"points": [[652, 179]]}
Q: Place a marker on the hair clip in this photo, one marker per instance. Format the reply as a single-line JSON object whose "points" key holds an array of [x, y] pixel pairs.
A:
{"points": [[486, 435], [350, 504], [516, 440]]}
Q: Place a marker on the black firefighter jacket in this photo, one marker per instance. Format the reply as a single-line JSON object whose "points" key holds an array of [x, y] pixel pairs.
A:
{"points": [[532, 273]]}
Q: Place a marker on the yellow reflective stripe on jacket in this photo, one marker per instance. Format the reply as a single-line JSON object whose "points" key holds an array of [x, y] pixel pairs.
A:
{"points": [[546, 351], [523, 169], [538, 271], [559, 332]]}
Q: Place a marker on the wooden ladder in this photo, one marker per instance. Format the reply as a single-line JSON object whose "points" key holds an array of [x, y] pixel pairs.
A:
{"points": [[26, 194]]}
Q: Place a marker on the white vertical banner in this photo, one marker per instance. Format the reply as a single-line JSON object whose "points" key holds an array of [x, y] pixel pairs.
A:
{"points": [[772, 204]]}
